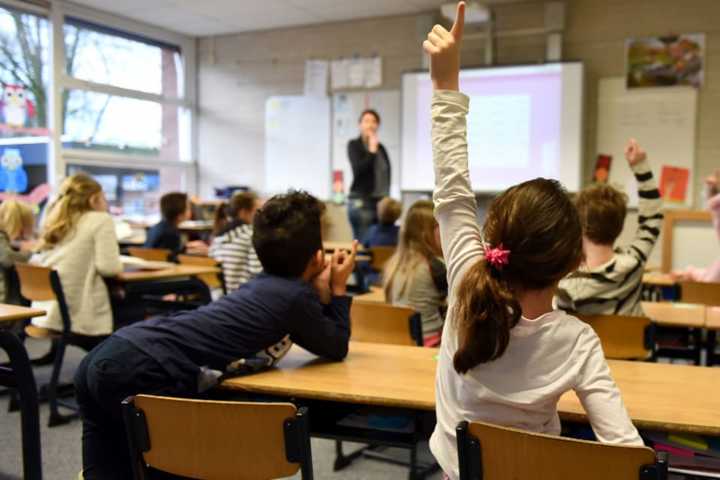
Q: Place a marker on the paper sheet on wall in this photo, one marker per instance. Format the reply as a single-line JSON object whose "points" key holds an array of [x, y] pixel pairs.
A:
{"points": [[373, 72], [339, 74], [316, 78], [356, 73]]}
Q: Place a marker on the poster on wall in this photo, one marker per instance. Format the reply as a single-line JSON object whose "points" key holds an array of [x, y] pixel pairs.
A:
{"points": [[674, 60]]}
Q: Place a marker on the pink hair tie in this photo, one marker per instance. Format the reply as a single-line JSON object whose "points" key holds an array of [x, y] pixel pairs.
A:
{"points": [[496, 256]]}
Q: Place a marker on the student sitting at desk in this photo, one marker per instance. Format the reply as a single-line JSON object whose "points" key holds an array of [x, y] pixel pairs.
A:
{"points": [[712, 272], [506, 355], [17, 224], [78, 240], [175, 209], [610, 279], [299, 298], [232, 245], [415, 275], [385, 232]]}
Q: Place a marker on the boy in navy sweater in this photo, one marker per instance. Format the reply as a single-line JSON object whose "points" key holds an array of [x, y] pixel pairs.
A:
{"points": [[300, 297]]}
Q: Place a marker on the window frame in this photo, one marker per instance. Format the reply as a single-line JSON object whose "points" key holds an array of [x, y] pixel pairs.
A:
{"points": [[59, 157]]}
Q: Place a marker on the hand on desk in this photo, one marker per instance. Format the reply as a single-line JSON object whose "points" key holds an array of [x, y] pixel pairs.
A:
{"points": [[197, 247]]}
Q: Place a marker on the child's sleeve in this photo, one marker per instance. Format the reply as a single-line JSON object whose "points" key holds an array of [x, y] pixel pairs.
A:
{"points": [[650, 215], [455, 206], [601, 399], [8, 256], [714, 207], [107, 250], [321, 329]]}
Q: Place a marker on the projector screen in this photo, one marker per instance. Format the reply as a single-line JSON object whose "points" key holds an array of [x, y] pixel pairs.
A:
{"points": [[524, 122]]}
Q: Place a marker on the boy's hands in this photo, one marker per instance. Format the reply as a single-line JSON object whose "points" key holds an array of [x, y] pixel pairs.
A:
{"points": [[633, 153], [321, 284], [342, 265], [444, 50]]}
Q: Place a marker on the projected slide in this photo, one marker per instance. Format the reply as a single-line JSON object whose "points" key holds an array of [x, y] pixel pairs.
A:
{"points": [[524, 122]]}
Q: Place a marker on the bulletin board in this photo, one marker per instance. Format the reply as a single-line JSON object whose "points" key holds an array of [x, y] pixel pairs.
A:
{"points": [[663, 120]]}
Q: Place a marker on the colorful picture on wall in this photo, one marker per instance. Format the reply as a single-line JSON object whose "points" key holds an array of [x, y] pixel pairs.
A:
{"points": [[602, 168], [674, 184], [665, 61]]}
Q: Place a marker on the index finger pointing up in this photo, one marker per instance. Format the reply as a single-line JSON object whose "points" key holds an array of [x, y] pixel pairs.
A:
{"points": [[459, 25]]}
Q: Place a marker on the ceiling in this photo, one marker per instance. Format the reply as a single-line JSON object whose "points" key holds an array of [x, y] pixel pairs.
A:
{"points": [[215, 17]]}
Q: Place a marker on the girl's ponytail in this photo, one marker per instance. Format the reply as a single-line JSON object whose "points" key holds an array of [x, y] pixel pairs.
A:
{"points": [[485, 312]]}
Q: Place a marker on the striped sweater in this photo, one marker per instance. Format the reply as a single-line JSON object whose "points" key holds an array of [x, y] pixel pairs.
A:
{"points": [[234, 249], [615, 287]]}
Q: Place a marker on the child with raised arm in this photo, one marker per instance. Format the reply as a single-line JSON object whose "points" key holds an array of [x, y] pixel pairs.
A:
{"points": [[610, 280], [506, 355]]}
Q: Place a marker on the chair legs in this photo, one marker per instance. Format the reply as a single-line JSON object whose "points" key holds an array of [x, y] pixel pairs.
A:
{"points": [[56, 418]]}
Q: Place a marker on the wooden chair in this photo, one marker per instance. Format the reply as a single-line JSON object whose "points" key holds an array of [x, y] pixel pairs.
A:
{"points": [[217, 440], [383, 323], [41, 284], [379, 257], [623, 337], [705, 293], [212, 280], [490, 452], [709, 295], [150, 254]]}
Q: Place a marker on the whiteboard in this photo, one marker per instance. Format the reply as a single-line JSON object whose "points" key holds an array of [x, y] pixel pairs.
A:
{"points": [[663, 120], [297, 151], [347, 108]]}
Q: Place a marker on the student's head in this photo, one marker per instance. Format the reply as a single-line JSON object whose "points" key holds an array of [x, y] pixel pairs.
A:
{"points": [[369, 122], [388, 211], [78, 194], [602, 211], [17, 219], [243, 206], [539, 225], [417, 245], [175, 207], [287, 235]]}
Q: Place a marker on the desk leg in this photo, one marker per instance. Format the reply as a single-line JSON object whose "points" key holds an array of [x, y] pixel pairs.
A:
{"points": [[711, 344], [20, 376]]}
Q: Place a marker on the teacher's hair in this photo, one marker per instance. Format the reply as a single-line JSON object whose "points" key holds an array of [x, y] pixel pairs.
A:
{"points": [[372, 112]]}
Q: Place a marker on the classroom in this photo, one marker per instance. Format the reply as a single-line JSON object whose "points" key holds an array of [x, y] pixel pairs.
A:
{"points": [[380, 239]]}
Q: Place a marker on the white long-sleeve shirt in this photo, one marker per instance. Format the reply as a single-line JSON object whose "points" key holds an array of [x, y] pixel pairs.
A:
{"points": [[86, 255], [546, 356]]}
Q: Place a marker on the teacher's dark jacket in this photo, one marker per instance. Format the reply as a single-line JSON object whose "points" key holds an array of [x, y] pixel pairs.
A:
{"points": [[363, 166]]}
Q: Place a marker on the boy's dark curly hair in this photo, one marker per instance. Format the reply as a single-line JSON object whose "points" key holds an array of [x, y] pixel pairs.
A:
{"points": [[287, 233]]}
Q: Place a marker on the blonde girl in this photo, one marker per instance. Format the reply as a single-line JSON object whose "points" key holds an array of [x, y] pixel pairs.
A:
{"points": [[415, 275], [17, 223], [78, 240]]}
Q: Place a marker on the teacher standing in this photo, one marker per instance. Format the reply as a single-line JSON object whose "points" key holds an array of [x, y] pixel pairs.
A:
{"points": [[371, 174]]}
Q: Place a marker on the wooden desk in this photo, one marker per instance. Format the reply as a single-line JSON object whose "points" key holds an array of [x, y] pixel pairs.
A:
{"points": [[658, 279], [375, 295], [174, 272], [15, 313], [675, 314], [330, 246], [660, 396], [712, 318]]}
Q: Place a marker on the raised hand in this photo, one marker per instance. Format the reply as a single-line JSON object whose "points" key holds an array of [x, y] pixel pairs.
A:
{"points": [[633, 153], [444, 50], [712, 184], [343, 264]]}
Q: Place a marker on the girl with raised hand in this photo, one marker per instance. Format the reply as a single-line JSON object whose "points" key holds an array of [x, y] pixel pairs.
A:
{"points": [[506, 355]]}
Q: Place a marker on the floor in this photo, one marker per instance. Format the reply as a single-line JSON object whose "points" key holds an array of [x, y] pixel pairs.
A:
{"points": [[61, 445]]}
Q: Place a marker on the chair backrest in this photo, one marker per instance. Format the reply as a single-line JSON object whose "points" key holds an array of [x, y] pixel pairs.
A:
{"points": [[700, 292], [623, 337], [212, 280], [380, 256], [42, 284], [497, 453], [219, 440], [150, 254], [383, 323]]}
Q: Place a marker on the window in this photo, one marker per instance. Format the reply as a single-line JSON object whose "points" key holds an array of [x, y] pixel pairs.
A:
{"points": [[25, 77]]}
